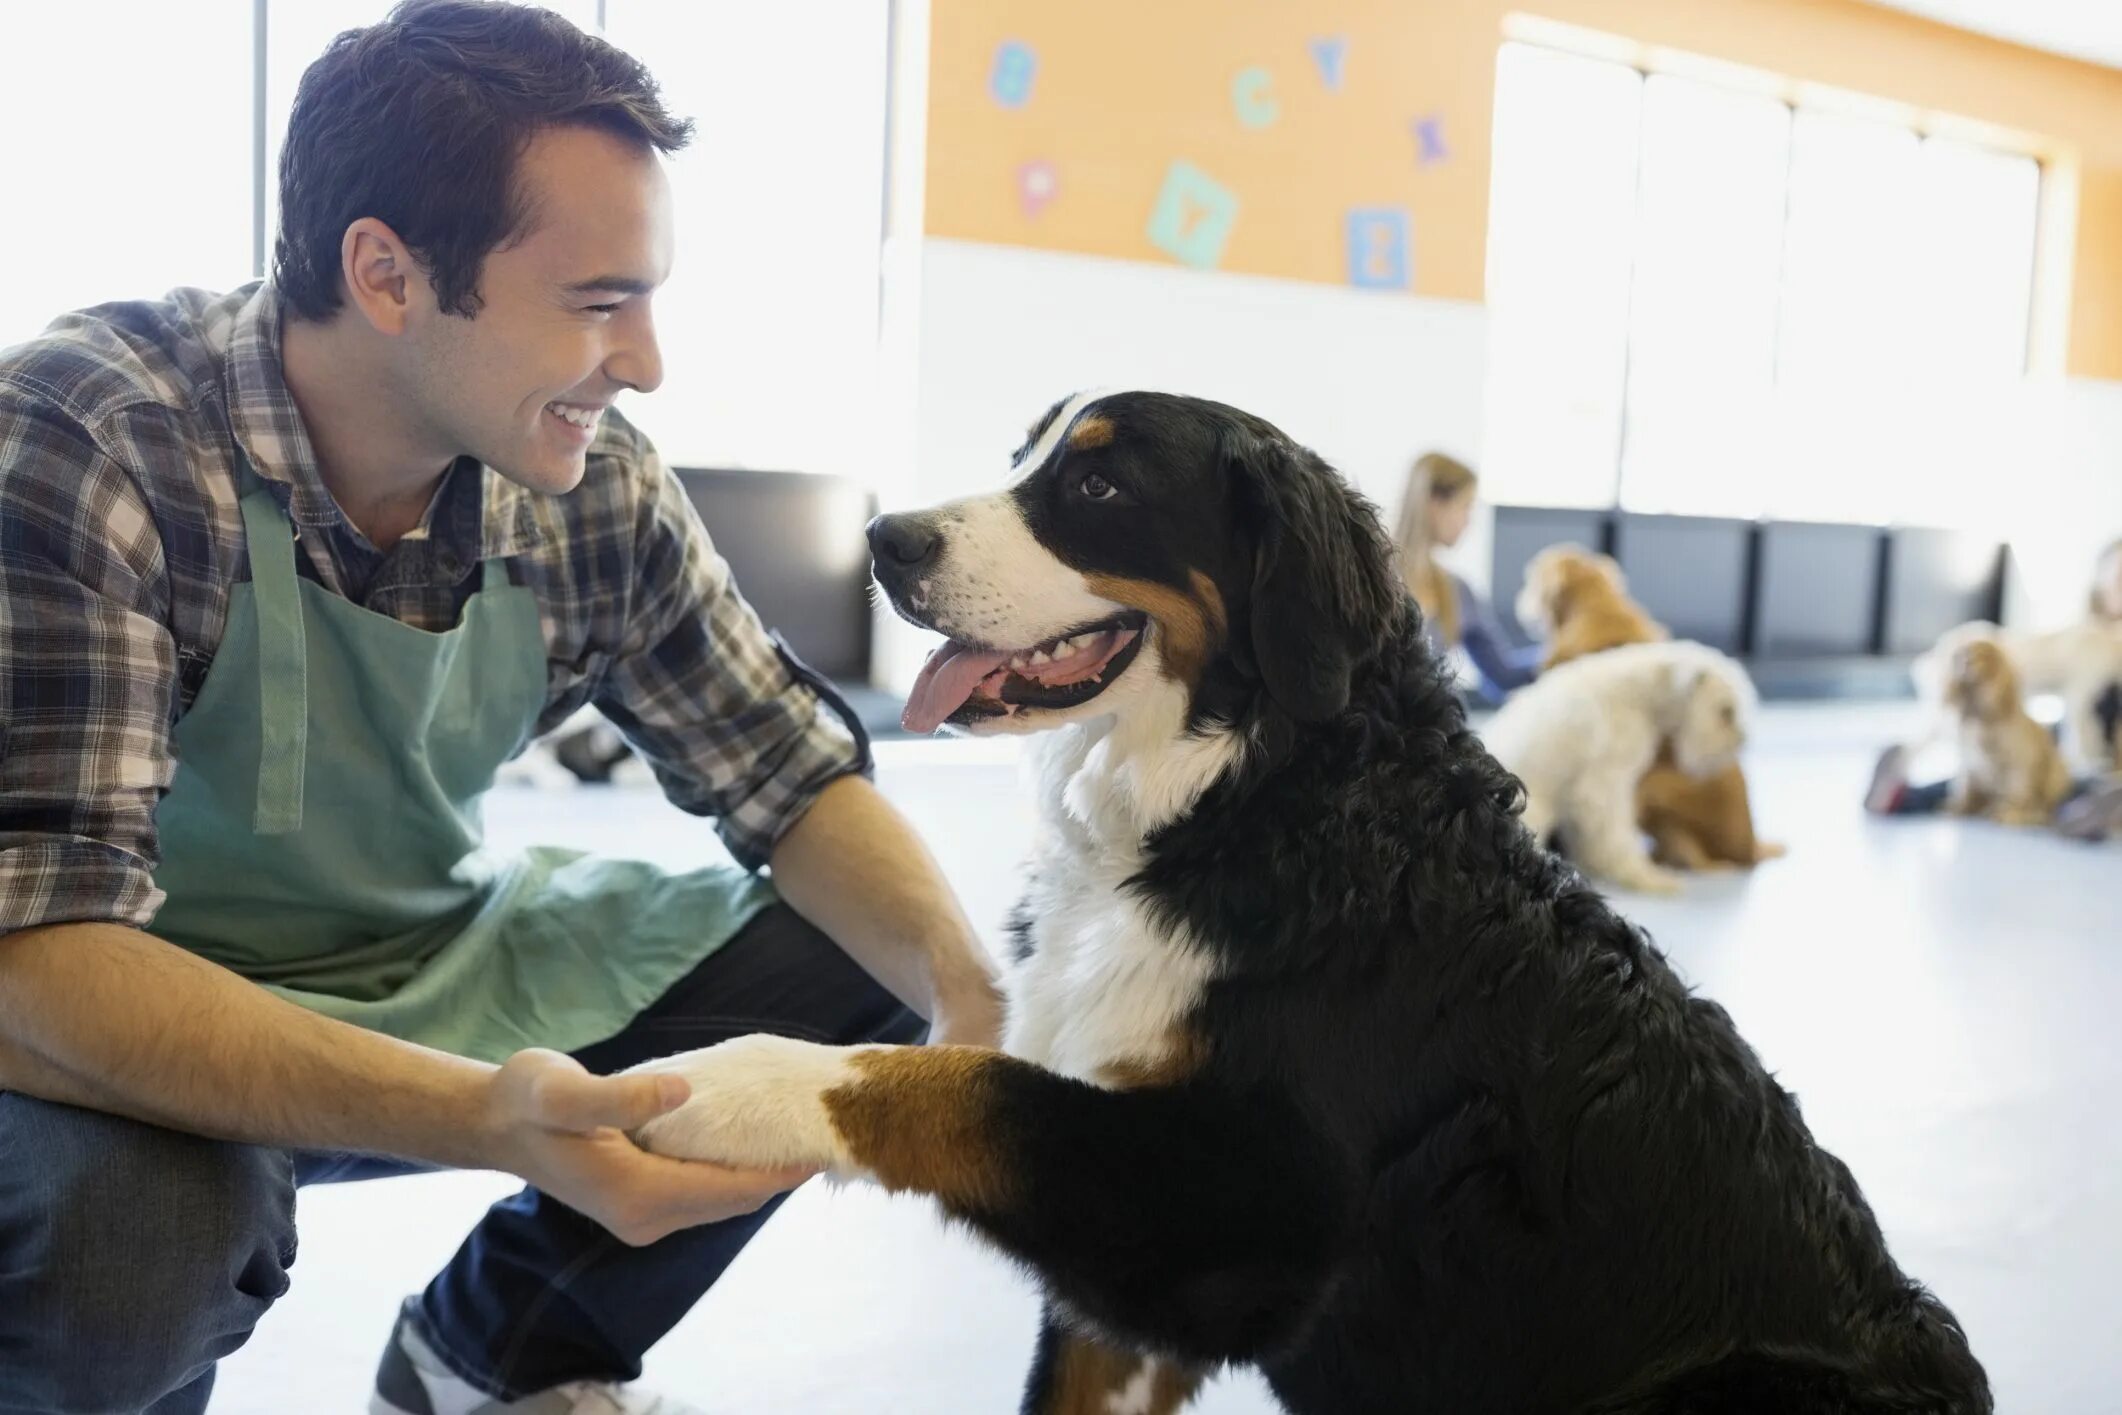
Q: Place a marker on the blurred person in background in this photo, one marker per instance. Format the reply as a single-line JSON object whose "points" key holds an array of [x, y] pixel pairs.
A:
{"points": [[1434, 513]]}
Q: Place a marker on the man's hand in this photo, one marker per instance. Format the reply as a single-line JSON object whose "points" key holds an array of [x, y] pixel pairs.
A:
{"points": [[563, 1130]]}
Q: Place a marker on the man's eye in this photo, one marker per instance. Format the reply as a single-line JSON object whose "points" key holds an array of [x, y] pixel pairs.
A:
{"points": [[1095, 487], [602, 309]]}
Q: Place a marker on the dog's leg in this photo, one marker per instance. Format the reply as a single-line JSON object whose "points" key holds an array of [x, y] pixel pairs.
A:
{"points": [[1604, 838], [1201, 1222], [2027, 794], [1675, 846], [1688, 820], [1075, 1374]]}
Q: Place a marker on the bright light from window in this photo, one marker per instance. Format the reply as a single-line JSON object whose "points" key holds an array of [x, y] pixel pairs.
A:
{"points": [[1561, 225], [1702, 318], [130, 175], [770, 316], [1819, 316]]}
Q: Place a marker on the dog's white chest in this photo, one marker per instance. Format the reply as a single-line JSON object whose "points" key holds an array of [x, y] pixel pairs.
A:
{"points": [[1108, 984], [1105, 989]]}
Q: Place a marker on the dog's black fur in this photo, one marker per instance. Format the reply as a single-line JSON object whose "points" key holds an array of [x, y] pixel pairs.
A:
{"points": [[1459, 1141]]}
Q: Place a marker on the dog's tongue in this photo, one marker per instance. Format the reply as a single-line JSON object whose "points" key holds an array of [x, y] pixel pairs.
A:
{"points": [[946, 681]]}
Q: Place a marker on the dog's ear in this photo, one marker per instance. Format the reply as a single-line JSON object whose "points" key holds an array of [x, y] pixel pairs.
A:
{"points": [[1611, 569], [1323, 594], [1562, 591]]}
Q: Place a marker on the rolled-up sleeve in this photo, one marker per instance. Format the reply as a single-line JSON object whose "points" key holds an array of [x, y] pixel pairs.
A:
{"points": [[727, 722], [87, 678]]}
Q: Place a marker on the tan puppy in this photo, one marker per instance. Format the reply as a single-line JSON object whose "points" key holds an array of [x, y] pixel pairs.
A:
{"points": [[1578, 599], [2010, 769]]}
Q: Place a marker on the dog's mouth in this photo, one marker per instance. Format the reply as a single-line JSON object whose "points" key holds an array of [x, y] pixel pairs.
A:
{"points": [[964, 682]]}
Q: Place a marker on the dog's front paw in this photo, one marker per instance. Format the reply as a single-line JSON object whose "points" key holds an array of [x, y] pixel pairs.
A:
{"points": [[1650, 879], [757, 1101]]}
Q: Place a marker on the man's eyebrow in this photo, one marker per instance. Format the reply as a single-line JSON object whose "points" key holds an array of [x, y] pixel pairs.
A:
{"points": [[611, 284]]}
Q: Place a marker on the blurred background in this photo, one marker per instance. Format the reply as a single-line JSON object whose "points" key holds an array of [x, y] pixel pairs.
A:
{"points": [[1705, 272]]}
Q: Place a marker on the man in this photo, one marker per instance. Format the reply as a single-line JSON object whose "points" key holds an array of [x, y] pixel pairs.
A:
{"points": [[284, 575]]}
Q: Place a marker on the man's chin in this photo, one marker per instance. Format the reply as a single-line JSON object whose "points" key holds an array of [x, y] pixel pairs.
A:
{"points": [[544, 477]]}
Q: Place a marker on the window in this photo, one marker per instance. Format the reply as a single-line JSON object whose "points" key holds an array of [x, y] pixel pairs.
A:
{"points": [[1702, 314], [131, 178], [1801, 290], [771, 312], [1561, 229], [769, 323]]}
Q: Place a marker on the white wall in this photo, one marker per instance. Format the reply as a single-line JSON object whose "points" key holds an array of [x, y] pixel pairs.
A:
{"points": [[1368, 380], [994, 334], [2057, 493]]}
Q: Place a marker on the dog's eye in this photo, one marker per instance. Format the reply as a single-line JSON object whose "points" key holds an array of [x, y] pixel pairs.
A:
{"points": [[1095, 487]]}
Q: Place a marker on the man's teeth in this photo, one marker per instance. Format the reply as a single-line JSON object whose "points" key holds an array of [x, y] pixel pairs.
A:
{"points": [[580, 417]]}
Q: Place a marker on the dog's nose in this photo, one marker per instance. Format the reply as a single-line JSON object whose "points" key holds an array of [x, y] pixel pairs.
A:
{"points": [[902, 542]]}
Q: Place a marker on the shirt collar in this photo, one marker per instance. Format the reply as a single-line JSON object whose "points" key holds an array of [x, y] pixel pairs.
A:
{"points": [[265, 420]]}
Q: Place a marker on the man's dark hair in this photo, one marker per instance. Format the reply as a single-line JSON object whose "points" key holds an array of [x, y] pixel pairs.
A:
{"points": [[418, 121]]}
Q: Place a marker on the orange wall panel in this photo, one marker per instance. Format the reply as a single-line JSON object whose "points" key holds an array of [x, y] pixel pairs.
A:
{"points": [[1073, 153]]}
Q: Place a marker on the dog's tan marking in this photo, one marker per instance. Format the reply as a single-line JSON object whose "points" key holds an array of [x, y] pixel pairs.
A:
{"points": [[922, 1118], [1185, 1055], [1699, 823], [1090, 432], [1192, 621], [1090, 1378]]}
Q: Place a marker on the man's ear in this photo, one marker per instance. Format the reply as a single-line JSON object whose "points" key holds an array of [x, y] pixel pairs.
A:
{"points": [[379, 274], [1323, 590]]}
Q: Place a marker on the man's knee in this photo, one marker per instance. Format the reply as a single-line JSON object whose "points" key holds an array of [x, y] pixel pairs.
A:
{"points": [[131, 1257]]}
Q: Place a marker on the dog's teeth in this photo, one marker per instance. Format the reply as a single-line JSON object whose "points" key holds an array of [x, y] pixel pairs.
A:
{"points": [[1040, 656], [1017, 662]]}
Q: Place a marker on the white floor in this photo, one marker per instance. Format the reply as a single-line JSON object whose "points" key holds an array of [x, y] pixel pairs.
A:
{"points": [[1942, 997]]}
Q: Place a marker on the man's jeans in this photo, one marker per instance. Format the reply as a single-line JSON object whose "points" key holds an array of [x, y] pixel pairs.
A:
{"points": [[132, 1258]]}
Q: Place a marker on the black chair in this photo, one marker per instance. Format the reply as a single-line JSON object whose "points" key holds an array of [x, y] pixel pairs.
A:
{"points": [[1934, 580], [1694, 574], [1521, 532], [795, 546], [1816, 590], [1817, 610]]}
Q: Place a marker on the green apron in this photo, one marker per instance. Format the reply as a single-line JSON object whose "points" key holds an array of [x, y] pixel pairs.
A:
{"points": [[322, 834]]}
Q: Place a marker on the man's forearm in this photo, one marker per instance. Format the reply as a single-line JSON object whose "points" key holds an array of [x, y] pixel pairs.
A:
{"points": [[854, 867], [105, 1016]]}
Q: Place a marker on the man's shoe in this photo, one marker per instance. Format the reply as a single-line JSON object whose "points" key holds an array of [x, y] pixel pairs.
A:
{"points": [[411, 1380]]}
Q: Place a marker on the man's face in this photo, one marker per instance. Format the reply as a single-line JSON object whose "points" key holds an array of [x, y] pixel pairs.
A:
{"points": [[565, 325]]}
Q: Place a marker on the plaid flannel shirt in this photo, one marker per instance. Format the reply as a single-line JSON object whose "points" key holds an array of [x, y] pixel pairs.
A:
{"points": [[120, 539]]}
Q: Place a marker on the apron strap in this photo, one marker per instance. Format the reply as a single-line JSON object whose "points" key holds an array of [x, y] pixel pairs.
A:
{"points": [[283, 670]]}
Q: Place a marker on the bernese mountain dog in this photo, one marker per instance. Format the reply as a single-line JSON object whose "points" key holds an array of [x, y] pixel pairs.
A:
{"points": [[1316, 1060]]}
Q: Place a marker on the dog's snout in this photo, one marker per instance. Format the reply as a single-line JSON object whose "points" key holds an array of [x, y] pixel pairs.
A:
{"points": [[902, 542]]}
